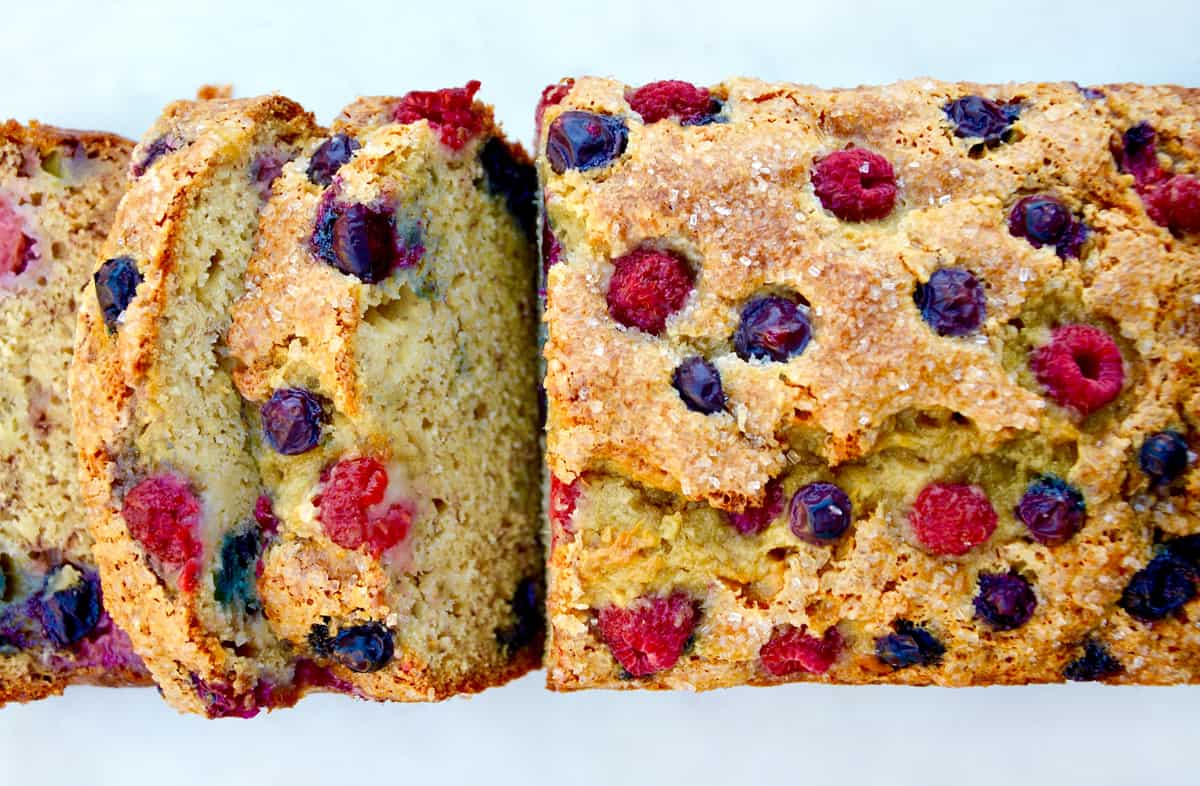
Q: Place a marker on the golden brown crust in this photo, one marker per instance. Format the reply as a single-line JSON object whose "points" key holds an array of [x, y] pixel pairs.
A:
{"points": [[869, 403]]}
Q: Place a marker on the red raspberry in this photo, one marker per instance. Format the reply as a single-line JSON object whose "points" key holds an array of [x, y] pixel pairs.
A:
{"points": [[1174, 203], [649, 635], [163, 515], [553, 95], [952, 518], [647, 286], [1081, 368], [671, 98], [563, 497], [551, 248], [349, 507], [264, 514], [793, 649], [451, 112], [855, 184], [16, 248], [752, 521]]}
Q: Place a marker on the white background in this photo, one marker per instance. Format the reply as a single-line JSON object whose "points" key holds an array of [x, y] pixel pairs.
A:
{"points": [[114, 64]]}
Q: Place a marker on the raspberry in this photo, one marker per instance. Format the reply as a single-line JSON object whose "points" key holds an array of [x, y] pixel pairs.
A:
{"points": [[647, 286], [1174, 203], [855, 184], [349, 507], [584, 140], [649, 635], [820, 513], [329, 158], [1005, 600], [1163, 456], [116, 285], [17, 249], [1080, 368], [952, 302], [163, 515], [552, 95], [551, 248], [450, 112], [1096, 663], [976, 117], [291, 421], [563, 497], [1051, 510], [752, 521], [792, 649], [952, 518], [671, 98], [1044, 220], [264, 514], [699, 385], [772, 328]]}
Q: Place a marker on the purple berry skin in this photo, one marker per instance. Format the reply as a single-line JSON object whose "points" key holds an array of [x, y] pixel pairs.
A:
{"points": [[264, 170], [976, 117], [1161, 588], [154, 151], [1051, 510], [1044, 220], [361, 648], [952, 302], [1096, 663], [772, 328], [116, 284], [910, 645], [357, 239], [291, 421], [1164, 456], [329, 157], [1005, 600], [69, 614], [820, 513], [584, 140], [699, 385]]}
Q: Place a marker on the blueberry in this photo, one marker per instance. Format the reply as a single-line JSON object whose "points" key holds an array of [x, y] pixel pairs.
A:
{"points": [[361, 648], [1044, 220], [1187, 548], [772, 328], [952, 302], [265, 169], [514, 180], [976, 117], [699, 385], [154, 151], [910, 645], [291, 421], [329, 157], [583, 140], [234, 580], [1005, 600], [357, 240], [1164, 456], [1096, 663], [528, 611], [116, 283], [1052, 510], [5, 582], [69, 605], [819, 513], [1160, 588]]}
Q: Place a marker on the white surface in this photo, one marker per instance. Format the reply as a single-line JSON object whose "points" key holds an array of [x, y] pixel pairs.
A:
{"points": [[112, 65]]}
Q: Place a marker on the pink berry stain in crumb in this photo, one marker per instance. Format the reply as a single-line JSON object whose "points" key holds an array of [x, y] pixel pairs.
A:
{"points": [[563, 498], [107, 647], [163, 514], [17, 248], [650, 634], [752, 521], [359, 507], [451, 112]]}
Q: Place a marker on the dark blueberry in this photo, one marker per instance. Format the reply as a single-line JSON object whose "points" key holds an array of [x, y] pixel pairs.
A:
{"points": [[1005, 600], [1160, 588], [361, 648], [1164, 456], [329, 157], [69, 605], [291, 421], [357, 240], [1096, 663], [819, 513], [154, 151], [699, 385], [514, 180], [1052, 510], [583, 140], [1186, 548], [1139, 154], [528, 610], [1044, 220], [234, 580], [772, 328], [910, 645], [116, 283], [952, 302], [976, 117], [1090, 93]]}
